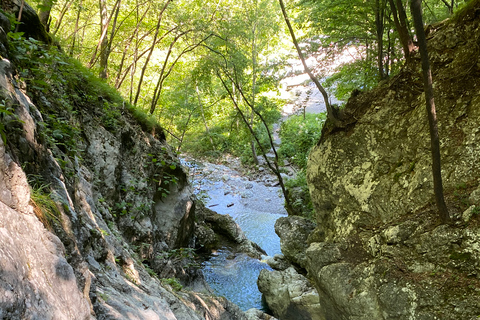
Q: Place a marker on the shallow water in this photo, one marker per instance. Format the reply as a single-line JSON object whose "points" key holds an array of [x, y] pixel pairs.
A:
{"points": [[255, 207]]}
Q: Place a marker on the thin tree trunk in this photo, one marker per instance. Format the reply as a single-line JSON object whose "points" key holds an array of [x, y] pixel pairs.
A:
{"points": [[64, 10], [273, 167], [332, 113], [379, 12], [163, 75], [203, 117], [254, 82], [44, 13], [102, 41], [449, 6], [72, 48], [389, 54], [104, 22], [416, 8], [399, 18], [19, 18], [144, 68], [118, 82], [107, 47], [184, 131]]}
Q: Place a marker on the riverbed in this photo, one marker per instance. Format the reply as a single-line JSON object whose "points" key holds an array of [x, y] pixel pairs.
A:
{"points": [[255, 203]]}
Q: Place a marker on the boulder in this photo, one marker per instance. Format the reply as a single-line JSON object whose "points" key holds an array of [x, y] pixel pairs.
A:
{"points": [[379, 250], [214, 231], [293, 232], [279, 262], [290, 295]]}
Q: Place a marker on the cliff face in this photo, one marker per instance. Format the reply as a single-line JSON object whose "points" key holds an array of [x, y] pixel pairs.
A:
{"points": [[94, 210], [379, 250]]}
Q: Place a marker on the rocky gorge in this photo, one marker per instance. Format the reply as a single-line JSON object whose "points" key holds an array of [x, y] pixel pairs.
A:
{"points": [[98, 219]]}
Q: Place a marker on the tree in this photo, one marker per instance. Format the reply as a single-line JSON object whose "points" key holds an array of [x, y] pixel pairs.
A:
{"points": [[400, 18], [332, 113], [416, 9], [44, 13]]}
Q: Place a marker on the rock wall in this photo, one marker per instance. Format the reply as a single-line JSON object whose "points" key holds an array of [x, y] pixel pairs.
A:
{"points": [[379, 250], [97, 219]]}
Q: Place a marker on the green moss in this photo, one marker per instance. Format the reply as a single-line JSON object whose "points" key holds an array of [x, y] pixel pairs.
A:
{"points": [[463, 256], [465, 9]]}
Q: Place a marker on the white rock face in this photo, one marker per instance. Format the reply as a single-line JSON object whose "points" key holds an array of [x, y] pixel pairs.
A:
{"points": [[36, 278]]}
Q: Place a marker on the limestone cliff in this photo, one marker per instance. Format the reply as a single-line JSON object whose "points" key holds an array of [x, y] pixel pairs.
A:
{"points": [[97, 219], [379, 250]]}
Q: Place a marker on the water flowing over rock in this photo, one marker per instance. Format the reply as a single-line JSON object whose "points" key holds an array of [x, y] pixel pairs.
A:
{"points": [[379, 250]]}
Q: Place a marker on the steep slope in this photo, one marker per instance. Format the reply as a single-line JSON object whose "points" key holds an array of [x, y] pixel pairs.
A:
{"points": [[379, 250], [97, 219]]}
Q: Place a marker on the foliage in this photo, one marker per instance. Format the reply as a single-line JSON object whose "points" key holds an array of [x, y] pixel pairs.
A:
{"points": [[300, 195], [44, 207], [299, 135], [4, 111], [365, 26], [358, 75], [173, 283]]}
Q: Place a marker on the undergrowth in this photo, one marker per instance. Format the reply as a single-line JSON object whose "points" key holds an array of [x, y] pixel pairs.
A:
{"points": [[299, 134], [71, 88], [44, 207]]}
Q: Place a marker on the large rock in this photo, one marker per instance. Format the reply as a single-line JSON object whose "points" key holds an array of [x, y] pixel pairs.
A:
{"points": [[36, 278], [379, 250], [294, 232], [290, 295], [378, 168], [214, 231]]}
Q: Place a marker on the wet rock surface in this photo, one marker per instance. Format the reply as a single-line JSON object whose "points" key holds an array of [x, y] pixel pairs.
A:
{"points": [[240, 230]]}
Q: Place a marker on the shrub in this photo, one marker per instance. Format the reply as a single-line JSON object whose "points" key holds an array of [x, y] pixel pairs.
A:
{"points": [[299, 135]]}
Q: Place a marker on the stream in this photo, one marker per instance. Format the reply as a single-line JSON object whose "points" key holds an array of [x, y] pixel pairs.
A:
{"points": [[255, 205], [254, 201]]}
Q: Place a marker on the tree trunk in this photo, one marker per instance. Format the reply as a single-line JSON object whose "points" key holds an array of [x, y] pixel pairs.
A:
{"points": [[165, 73], [254, 84], [272, 166], [64, 10], [152, 47], [74, 37], [203, 117], [416, 8], [107, 49], [400, 19], [379, 13], [449, 6], [19, 17], [102, 4], [332, 113], [118, 79], [44, 13]]}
